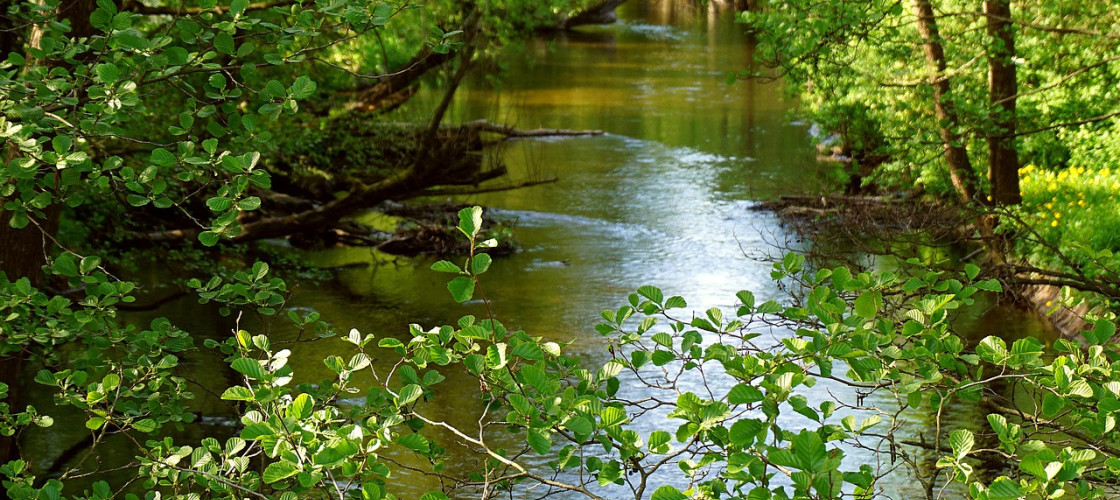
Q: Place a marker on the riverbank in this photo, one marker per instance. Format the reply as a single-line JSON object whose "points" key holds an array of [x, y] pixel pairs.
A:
{"points": [[1062, 235]]}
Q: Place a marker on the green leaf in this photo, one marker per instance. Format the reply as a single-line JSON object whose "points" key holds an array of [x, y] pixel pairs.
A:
{"points": [[461, 288], [238, 393], [1033, 466], [579, 425], [744, 394], [540, 440], [217, 80], [408, 394], [663, 339], [249, 367], [163, 157], [1004, 488], [236, 7], [277, 471], [219, 203], [95, 423], [44, 377], [64, 264], [652, 293], [301, 407], [480, 263], [88, 264], [868, 304], [528, 350], [667, 492], [496, 359], [61, 144], [110, 382], [1081, 388], [992, 349], [107, 72], [146, 425], [769, 307], [1052, 404], [208, 238], [744, 431], [19, 220], [1103, 330], [137, 200], [972, 271], [747, 298], [657, 440], [249, 203], [223, 42], [443, 266], [470, 221], [303, 87], [961, 441], [991, 285], [809, 450], [612, 416], [661, 358], [414, 442]]}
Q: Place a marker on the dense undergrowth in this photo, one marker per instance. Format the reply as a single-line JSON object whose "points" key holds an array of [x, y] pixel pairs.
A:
{"points": [[1076, 211]]}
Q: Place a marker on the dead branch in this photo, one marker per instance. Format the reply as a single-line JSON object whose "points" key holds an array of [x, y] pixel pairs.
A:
{"points": [[511, 132]]}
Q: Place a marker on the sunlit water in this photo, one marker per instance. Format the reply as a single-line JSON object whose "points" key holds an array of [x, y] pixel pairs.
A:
{"points": [[661, 198]]}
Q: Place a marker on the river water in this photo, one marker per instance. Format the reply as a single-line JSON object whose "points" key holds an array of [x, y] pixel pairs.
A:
{"points": [[662, 198]]}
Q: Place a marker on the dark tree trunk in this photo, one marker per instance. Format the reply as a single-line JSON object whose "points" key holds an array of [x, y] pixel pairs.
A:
{"points": [[23, 252], [9, 34], [956, 156], [1003, 159], [391, 91]]}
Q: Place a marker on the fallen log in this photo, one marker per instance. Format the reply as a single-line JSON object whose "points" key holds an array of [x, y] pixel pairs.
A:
{"points": [[511, 132]]}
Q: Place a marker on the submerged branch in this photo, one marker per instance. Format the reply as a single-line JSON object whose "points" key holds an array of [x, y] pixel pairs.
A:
{"points": [[511, 132]]}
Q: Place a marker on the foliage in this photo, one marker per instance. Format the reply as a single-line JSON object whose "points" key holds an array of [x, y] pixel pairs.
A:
{"points": [[1073, 210], [866, 56], [716, 405]]}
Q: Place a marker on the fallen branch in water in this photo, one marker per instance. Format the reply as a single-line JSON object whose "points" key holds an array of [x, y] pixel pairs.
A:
{"points": [[511, 132]]}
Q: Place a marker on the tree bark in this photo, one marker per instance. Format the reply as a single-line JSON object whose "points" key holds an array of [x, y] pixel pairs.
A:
{"points": [[1003, 159], [9, 31], [956, 155], [23, 252], [380, 95]]}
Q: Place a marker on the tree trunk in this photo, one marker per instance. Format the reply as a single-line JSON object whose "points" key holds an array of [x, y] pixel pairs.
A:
{"points": [[1003, 159], [23, 252], [391, 91], [9, 32], [956, 156]]}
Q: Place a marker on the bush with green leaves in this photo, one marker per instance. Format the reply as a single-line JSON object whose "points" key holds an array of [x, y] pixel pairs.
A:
{"points": [[720, 404]]}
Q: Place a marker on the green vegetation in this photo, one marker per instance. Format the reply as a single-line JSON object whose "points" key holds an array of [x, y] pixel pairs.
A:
{"points": [[139, 126], [950, 99], [1076, 210]]}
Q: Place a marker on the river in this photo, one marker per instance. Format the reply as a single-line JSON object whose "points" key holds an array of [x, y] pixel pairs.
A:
{"points": [[662, 198]]}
